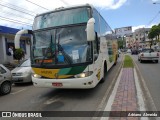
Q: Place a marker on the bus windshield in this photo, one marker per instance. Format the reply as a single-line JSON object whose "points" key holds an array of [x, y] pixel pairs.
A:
{"points": [[61, 46], [59, 18]]}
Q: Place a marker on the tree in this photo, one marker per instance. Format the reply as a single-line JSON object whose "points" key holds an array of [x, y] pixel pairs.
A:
{"points": [[19, 54], [120, 44], [154, 33]]}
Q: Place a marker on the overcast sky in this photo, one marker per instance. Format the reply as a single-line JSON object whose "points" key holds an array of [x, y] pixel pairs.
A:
{"points": [[118, 13]]}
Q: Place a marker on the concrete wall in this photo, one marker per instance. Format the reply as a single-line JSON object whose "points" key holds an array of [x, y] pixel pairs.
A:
{"points": [[1, 50], [3, 55]]}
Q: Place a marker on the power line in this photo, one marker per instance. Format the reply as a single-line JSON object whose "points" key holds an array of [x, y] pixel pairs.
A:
{"points": [[15, 21], [37, 5], [12, 5], [8, 13], [65, 2], [154, 18], [16, 10]]}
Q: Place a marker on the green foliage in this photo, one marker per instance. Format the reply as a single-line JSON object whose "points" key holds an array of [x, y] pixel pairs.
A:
{"points": [[111, 58], [121, 42], [18, 54], [128, 62], [155, 31]]}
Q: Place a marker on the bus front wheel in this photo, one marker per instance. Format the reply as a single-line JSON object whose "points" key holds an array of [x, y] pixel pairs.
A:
{"points": [[104, 72]]}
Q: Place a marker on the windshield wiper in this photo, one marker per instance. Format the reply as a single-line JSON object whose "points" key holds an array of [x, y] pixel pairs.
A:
{"points": [[48, 48]]}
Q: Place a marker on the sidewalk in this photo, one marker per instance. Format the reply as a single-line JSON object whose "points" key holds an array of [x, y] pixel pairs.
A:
{"points": [[124, 97]]}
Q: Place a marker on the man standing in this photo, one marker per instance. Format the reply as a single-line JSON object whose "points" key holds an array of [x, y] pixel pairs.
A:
{"points": [[10, 50]]}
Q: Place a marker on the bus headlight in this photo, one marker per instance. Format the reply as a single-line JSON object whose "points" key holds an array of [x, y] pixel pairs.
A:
{"points": [[84, 74], [36, 75]]}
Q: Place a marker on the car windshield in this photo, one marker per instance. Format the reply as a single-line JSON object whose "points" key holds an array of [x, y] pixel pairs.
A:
{"points": [[26, 63], [62, 46], [147, 50]]}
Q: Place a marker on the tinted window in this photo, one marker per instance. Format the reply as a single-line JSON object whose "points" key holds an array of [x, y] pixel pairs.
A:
{"points": [[2, 71], [59, 18], [26, 63], [148, 50], [96, 17], [62, 46]]}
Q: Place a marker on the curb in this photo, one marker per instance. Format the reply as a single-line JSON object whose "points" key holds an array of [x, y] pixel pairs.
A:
{"points": [[122, 81], [108, 92]]}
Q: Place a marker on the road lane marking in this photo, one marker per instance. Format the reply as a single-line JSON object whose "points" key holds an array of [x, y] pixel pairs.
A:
{"points": [[52, 100], [18, 91]]}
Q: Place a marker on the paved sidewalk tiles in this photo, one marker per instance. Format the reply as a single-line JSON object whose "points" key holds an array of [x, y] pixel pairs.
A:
{"points": [[125, 99]]}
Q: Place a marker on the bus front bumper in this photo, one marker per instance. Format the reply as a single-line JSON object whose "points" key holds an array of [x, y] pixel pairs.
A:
{"points": [[76, 83]]}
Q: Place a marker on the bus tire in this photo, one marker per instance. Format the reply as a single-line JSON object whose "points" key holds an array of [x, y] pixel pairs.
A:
{"points": [[104, 72], [115, 61]]}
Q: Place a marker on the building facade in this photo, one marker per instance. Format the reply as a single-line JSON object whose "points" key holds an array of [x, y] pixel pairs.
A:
{"points": [[7, 35], [140, 37], [125, 34]]}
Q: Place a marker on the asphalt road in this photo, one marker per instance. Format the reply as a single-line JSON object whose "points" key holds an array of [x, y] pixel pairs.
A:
{"points": [[29, 98], [151, 74]]}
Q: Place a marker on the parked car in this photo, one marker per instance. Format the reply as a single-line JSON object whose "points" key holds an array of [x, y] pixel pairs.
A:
{"points": [[148, 54], [158, 50], [5, 80], [129, 51], [22, 73], [134, 52]]}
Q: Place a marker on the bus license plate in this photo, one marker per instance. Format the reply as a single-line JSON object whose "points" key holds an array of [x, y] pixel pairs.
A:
{"points": [[57, 84]]}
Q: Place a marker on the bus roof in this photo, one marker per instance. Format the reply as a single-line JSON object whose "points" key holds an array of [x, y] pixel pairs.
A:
{"points": [[65, 8]]}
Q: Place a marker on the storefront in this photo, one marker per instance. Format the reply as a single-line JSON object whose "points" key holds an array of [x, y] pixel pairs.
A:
{"points": [[7, 39]]}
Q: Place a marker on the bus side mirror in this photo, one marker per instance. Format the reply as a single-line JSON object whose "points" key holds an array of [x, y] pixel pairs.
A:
{"points": [[90, 30], [18, 36]]}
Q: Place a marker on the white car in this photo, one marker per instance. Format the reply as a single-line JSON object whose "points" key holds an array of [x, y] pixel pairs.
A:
{"points": [[5, 80], [129, 51], [22, 73], [148, 55]]}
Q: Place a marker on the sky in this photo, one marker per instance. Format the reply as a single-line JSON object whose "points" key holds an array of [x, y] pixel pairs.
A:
{"points": [[117, 13]]}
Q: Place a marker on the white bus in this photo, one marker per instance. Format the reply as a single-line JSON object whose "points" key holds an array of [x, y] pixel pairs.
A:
{"points": [[71, 48]]}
